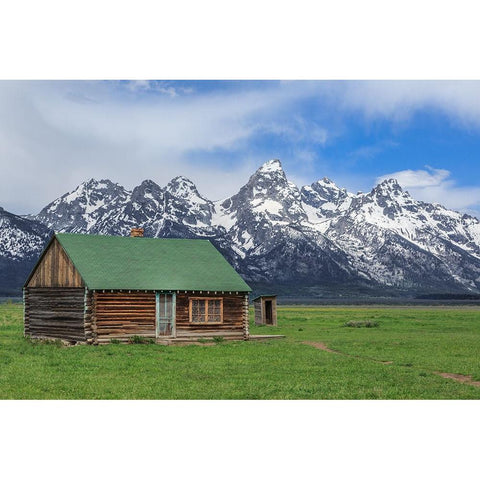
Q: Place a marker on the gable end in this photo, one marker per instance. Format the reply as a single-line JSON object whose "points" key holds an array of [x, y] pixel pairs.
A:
{"points": [[55, 269]]}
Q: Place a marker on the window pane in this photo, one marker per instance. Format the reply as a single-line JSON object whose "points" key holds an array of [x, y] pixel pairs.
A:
{"points": [[168, 299], [214, 307], [214, 311], [165, 305], [198, 311]]}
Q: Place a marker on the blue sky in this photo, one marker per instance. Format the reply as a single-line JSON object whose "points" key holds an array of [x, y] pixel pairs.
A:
{"points": [[54, 135]]}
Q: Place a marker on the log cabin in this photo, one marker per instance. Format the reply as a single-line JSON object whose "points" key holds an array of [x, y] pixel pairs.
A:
{"points": [[97, 288]]}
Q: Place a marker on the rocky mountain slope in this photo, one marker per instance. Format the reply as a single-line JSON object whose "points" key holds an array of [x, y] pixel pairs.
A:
{"points": [[318, 237], [21, 242]]}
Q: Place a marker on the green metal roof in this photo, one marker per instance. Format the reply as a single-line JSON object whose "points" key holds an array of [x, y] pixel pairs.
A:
{"points": [[140, 263]]}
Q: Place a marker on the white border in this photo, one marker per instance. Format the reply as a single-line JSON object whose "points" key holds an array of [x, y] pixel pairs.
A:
{"points": [[226, 40], [239, 439], [260, 39]]}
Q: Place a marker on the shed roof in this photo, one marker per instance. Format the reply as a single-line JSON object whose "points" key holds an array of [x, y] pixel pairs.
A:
{"points": [[265, 296], [139, 263]]}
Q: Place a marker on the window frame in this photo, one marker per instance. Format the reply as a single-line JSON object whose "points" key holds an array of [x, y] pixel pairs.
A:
{"points": [[206, 299]]}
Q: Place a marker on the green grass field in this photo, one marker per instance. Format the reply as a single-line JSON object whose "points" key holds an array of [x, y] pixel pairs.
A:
{"points": [[417, 342]]}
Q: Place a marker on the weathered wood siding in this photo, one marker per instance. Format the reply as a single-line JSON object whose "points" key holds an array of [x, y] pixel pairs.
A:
{"points": [[257, 305], [122, 315], [55, 313], [274, 310], [55, 269], [233, 325]]}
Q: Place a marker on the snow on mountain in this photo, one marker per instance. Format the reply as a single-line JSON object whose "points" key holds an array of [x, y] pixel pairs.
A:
{"points": [[274, 232], [323, 200], [79, 211], [20, 238], [267, 196], [142, 207], [268, 231], [21, 242], [402, 242], [187, 209], [268, 199]]}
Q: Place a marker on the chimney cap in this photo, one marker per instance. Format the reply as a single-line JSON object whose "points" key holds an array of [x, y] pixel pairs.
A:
{"points": [[136, 232]]}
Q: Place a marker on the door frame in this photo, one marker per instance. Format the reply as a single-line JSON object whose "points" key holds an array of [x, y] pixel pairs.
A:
{"points": [[172, 319]]}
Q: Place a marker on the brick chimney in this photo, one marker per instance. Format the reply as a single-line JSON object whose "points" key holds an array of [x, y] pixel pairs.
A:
{"points": [[136, 232]]}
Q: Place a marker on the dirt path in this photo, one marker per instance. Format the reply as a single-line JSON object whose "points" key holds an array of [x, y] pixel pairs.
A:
{"points": [[322, 346], [466, 379]]}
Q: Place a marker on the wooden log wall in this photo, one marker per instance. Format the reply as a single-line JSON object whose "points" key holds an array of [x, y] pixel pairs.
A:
{"points": [[233, 325], [55, 313], [246, 319], [90, 331], [55, 269], [122, 315], [26, 320]]}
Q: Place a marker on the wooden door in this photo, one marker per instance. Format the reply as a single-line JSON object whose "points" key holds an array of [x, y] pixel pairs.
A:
{"points": [[165, 318], [268, 312]]}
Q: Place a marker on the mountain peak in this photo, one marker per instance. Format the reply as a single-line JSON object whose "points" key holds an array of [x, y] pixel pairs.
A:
{"points": [[269, 173], [94, 183], [148, 183], [327, 181], [147, 189], [181, 179], [181, 184], [390, 181], [389, 185], [182, 187], [273, 165]]}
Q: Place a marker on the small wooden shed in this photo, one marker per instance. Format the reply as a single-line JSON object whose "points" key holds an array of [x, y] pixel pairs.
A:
{"points": [[95, 288], [265, 310]]}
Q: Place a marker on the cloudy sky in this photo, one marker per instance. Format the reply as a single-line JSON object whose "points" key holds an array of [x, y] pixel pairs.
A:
{"points": [[54, 135]]}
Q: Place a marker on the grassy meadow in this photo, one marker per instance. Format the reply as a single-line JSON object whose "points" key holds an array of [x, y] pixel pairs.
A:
{"points": [[397, 359]]}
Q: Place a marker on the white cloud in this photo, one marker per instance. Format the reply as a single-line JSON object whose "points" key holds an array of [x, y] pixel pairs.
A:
{"points": [[157, 86], [53, 135], [431, 177], [399, 100]]}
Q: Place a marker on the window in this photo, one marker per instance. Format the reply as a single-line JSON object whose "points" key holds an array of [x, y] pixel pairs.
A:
{"points": [[206, 310]]}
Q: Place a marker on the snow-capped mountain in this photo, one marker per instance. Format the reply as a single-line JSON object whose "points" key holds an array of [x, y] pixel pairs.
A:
{"points": [[103, 207], [402, 242], [21, 242], [317, 236], [79, 211], [268, 231], [267, 201]]}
